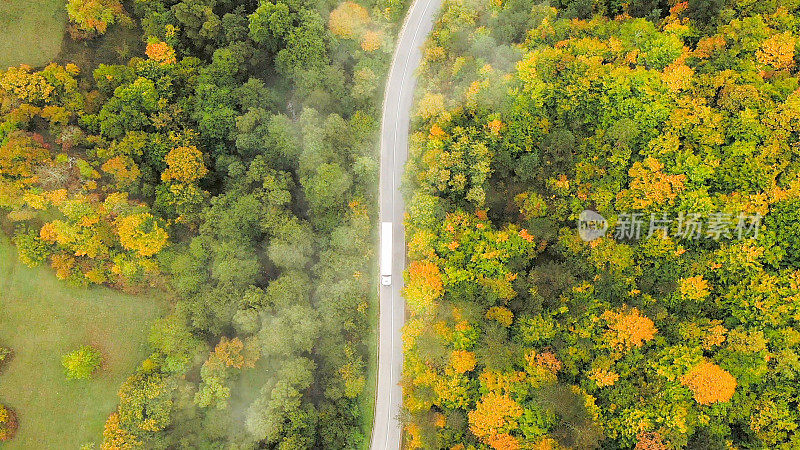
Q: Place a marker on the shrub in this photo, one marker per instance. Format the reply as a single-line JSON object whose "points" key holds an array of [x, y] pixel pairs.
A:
{"points": [[8, 424], [5, 355], [81, 363]]}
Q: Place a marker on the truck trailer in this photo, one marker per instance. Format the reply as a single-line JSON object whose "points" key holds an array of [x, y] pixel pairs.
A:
{"points": [[386, 253]]}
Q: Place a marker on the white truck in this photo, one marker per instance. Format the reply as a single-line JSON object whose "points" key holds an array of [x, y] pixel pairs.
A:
{"points": [[386, 253]]}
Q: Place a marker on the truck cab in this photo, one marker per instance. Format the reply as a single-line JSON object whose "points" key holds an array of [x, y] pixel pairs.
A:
{"points": [[386, 280]]}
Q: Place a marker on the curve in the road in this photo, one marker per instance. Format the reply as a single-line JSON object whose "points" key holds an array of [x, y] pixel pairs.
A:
{"points": [[398, 99]]}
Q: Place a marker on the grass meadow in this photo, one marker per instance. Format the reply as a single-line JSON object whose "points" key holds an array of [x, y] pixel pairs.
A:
{"points": [[42, 318], [31, 31]]}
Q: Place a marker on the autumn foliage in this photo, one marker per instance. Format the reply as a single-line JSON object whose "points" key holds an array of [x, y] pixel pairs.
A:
{"points": [[8, 423], [424, 284], [348, 20], [494, 416], [161, 52], [123, 168], [95, 16], [503, 441], [667, 112], [603, 378], [71, 216], [141, 233], [650, 185], [99, 172], [430, 105], [115, 437], [501, 314], [24, 83], [371, 41], [184, 165], [20, 156], [650, 441], [777, 51], [234, 353], [545, 360], [694, 288], [462, 361], [710, 383], [629, 329]]}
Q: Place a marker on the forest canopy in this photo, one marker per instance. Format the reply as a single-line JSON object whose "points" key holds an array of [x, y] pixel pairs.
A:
{"points": [[524, 335]]}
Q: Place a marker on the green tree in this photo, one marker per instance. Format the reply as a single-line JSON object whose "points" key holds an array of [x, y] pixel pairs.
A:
{"points": [[145, 401], [304, 51], [270, 24], [82, 363], [129, 109]]}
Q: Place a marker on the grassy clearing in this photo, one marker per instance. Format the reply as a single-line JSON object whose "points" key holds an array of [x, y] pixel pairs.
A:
{"points": [[32, 31], [116, 46], [41, 319]]}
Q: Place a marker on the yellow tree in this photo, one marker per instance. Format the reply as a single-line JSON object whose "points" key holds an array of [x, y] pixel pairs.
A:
{"points": [[63, 265], [677, 76], [20, 156], [94, 16], [348, 20], [494, 415], [371, 41], [235, 353], [430, 105], [501, 314], [415, 436], [8, 423], [603, 377], [24, 84], [123, 168], [694, 288], [462, 361], [650, 186], [649, 441], [503, 441], [777, 51], [184, 165], [141, 233], [115, 437], [424, 285], [545, 360]]}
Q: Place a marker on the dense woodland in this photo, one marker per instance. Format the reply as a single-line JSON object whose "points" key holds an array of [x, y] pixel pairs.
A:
{"points": [[232, 164], [521, 334]]}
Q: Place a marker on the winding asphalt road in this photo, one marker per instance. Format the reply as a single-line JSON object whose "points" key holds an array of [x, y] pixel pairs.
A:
{"points": [[386, 432]]}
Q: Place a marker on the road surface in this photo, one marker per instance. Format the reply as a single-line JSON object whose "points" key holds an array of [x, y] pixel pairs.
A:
{"points": [[386, 432]]}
